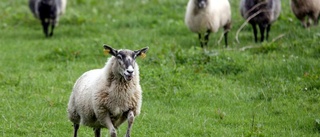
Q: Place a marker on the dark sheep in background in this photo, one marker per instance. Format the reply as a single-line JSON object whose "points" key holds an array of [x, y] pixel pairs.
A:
{"points": [[48, 11], [262, 13]]}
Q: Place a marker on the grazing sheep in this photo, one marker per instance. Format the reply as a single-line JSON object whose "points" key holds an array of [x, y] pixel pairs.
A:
{"points": [[262, 13], [48, 11], [306, 8], [206, 16], [106, 97]]}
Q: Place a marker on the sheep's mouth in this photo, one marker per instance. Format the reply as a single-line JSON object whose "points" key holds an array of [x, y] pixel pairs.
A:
{"points": [[128, 77]]}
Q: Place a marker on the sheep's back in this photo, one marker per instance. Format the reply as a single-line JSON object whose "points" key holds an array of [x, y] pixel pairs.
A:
{"points": [[34, 5], [216, 15], [220, 13], [303, 7]]}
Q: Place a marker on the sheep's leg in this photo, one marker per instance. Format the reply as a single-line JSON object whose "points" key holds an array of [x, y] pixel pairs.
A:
{"points": [[52, 28], [262, 29], [130, 122], [226, 31], [254, 31], [53, 24], [200, 39], [75, 127], [268, 30], [121, 120], [315, 19], [45, 26], [206, 37], [309, 21], [106, 120], [97, 132], [226, 38], [303, 21]]}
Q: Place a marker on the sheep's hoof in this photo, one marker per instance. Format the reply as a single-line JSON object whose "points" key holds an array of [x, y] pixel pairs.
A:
{"points": [[113, 133], [51, 34]]}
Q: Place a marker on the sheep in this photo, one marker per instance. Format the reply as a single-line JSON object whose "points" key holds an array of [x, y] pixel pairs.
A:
{"points": [[106, 97], [262, 13], [48, 11], [206, 16], [306, 8]]}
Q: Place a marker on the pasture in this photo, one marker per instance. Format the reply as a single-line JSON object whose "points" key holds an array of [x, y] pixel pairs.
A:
{"points": [[248, 89]]}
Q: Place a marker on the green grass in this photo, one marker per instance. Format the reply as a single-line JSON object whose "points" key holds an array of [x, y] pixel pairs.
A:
{"points": [[272, 89]]}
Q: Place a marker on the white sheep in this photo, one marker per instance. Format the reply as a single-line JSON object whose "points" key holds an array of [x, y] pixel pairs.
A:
{"points": [[262, 13], [306, 8], [206, 16], [48, 11], [106, 97]]}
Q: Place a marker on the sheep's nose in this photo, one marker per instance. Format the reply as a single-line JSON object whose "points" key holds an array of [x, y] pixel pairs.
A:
{"points": [[130, 71], [202, 4]]}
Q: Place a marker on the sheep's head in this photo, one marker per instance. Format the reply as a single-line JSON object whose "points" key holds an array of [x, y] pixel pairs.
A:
{"points": [[126, 60], [201, 3]]}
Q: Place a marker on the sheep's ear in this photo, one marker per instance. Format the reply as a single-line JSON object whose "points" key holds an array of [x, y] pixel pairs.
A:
{"points": [[141, 52], [110, 50]]}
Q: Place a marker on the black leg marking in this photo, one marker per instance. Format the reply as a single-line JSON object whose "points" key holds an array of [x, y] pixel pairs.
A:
{"points": [[254, 32], [226, 38], [97, 132], [200, 39], [206, 38], [52, 28], [268, 30], [75, 127], [45, 26], [226, 31], [262, 28]]}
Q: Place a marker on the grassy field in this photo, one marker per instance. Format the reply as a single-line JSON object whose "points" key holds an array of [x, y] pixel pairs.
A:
{"points": [[272, 89]]}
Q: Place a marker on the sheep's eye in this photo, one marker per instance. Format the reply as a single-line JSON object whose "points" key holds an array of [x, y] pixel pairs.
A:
{"points": [[119, 56]]}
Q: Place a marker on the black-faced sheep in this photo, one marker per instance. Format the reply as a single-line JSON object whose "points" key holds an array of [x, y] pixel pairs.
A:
{"points": [[106, 97], [262, 13], [306, 8], [48, 11], [206, 16]]}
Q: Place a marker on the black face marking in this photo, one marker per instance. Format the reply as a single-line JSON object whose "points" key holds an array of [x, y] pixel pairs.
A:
{"points": [[201, 3], [127, 58], [120, 56], [126, 63]]}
